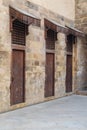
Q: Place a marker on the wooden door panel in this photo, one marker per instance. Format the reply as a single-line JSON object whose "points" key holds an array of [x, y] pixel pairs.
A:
{"points": [[69, 74], [17, 79], [49, 81]]}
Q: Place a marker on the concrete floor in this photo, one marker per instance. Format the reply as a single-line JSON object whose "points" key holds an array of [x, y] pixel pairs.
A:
{"points": [[68, 113]]}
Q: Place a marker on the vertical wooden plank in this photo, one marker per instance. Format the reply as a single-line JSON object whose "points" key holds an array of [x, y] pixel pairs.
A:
{"points": [[49, 82], [69, 73], [17, 79], [69, 77]]}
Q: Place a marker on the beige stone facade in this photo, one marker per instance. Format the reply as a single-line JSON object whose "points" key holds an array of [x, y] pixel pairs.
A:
{"points": [[65, 8], [35, 53], [81, 23]]}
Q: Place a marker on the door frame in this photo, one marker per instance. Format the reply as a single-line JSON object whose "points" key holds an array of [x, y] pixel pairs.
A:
{"points": [[18, 48], [50, 26], [50, 52], [69, 52], [67, 89]]}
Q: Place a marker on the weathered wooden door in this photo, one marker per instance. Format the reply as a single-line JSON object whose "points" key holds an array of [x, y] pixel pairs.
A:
{"points": [[49, 81], [17, 76], [69, 73]]}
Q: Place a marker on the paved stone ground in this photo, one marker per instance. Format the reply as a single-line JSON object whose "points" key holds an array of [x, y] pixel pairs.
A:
{"points": [[68, 113]]}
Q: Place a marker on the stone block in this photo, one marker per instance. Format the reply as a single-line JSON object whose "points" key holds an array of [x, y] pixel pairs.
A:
{"points": [[31, 5]]}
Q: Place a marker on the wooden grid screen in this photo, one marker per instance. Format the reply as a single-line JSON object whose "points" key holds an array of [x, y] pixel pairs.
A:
{"points": [[50, 44], [18, 33], [69, 43], [50, 41]]}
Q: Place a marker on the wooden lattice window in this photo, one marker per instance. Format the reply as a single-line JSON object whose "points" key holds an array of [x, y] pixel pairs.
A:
{"points": [[50, 41], [18, 33], [69, 43]]}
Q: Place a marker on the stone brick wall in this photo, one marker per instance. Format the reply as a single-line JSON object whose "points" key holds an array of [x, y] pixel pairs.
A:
{"points": [[81, 23], [62, 7], [81, 15], [35, 56], [35, 65], [5, 58], [60, 65]]}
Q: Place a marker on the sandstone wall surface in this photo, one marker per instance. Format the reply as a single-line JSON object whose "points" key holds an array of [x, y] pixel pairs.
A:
{"points": [[35, 55], [62, 7], [81, 23]]}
